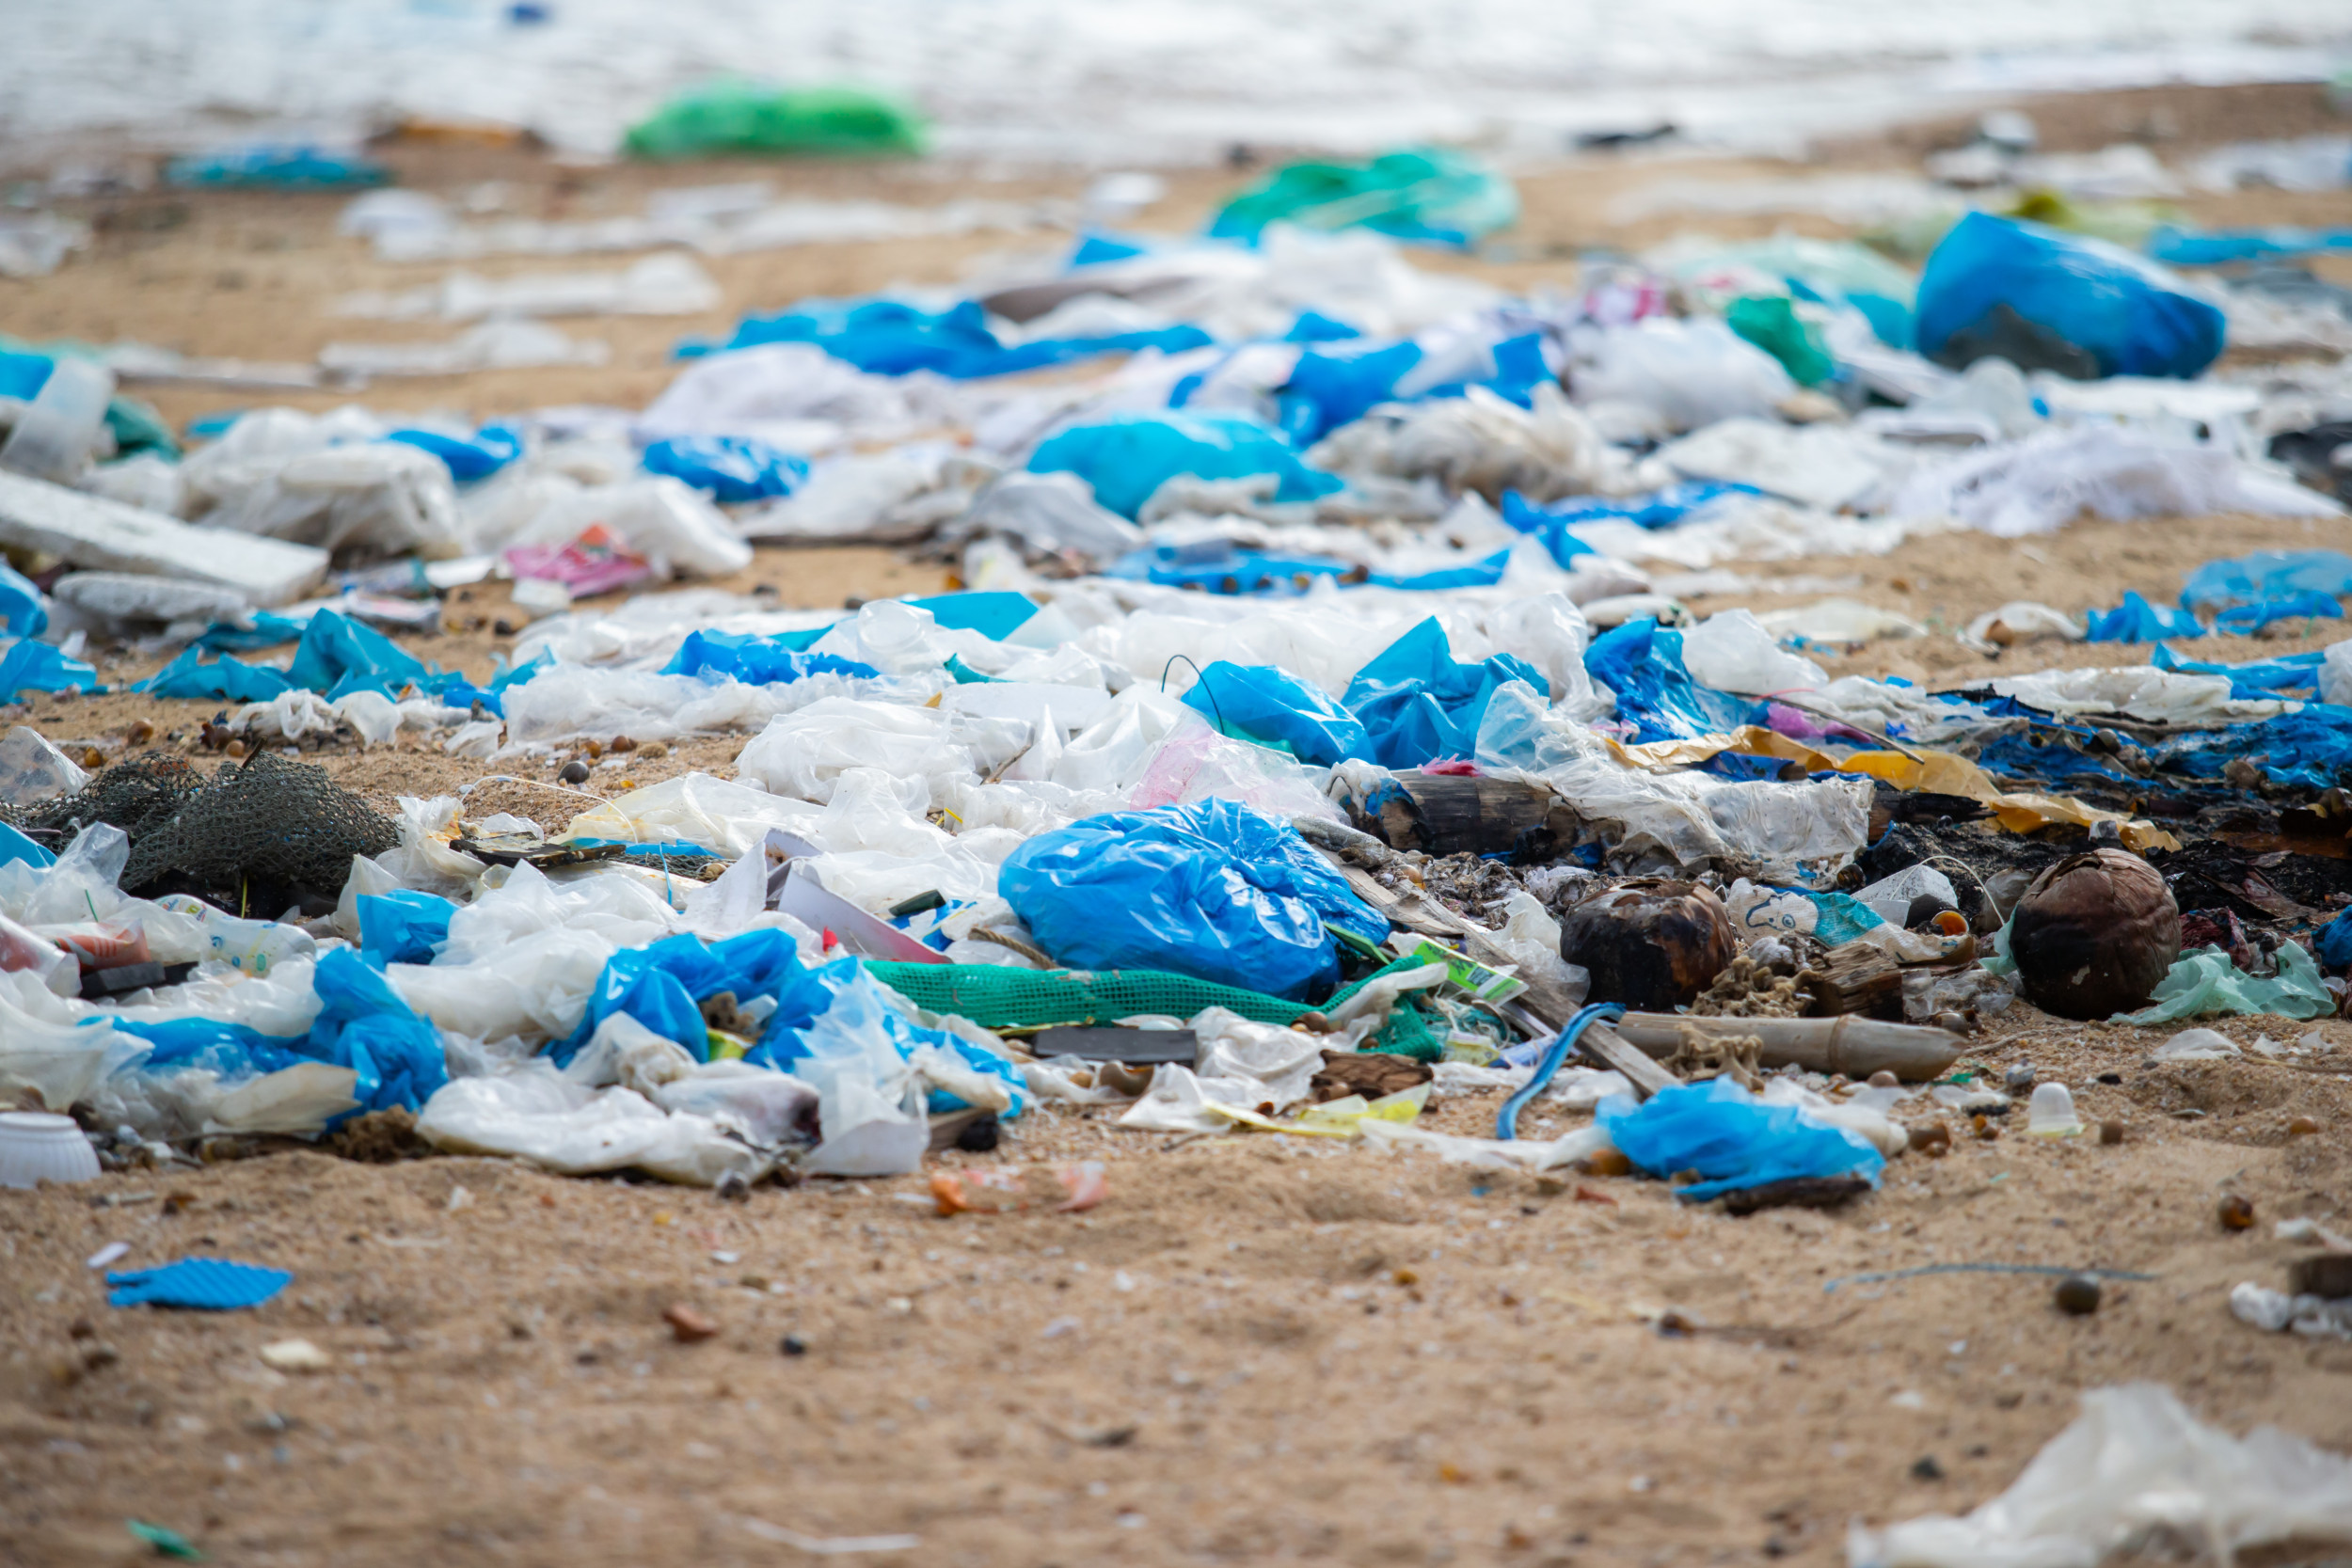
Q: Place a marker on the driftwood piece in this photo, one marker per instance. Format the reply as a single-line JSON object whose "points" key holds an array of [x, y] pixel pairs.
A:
{"points": [[1855, 979], [1446, 814]]}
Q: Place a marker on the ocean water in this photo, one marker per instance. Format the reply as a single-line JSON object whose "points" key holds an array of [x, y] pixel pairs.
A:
{"points": [[1105, 82]]}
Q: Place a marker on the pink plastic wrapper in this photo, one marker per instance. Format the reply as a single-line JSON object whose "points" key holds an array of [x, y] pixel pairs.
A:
{"points": [[597, 562], [99, 946], [1195, 762]]}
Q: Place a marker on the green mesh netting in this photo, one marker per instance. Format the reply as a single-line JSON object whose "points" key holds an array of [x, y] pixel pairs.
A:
{"points": [[997, 997], [1408, 1034]]}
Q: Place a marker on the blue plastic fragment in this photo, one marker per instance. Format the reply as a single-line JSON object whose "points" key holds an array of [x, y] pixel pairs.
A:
{"points": [[1731, 1138], [1419, 704], [201, 1284], [33, 666], [2267, 575], [1271, 706], [1127, 456], [468, 458], [2137, 621], [732, 468]]}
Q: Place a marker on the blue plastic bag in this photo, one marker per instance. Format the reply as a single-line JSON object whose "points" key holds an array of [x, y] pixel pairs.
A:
{"points": [[1216, 889], [338, 656], [24, 609], [1641, 662], [225, 679], [468, 458], [33, 666], [759, 661], [2245, 619], [1335, 386], [1419, 704], [2335, 942], [2267, 575], [1127, 456], [2128, 314], [2258, 678], [363, 1025], [1273, 707], [402, 926], [839, 1005], [1729, 1136], [732, 468], [2137, 621], [887, 337], [1485, 572]]}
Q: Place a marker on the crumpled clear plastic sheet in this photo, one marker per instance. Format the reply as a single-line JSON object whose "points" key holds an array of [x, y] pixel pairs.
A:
{"points": [[47, 1049], [1484, 443], [2135, 1467], [2041, 482], [1780, 832], [570, 700], [2205, 983], [724, 816], [326, 481], [537, 1114]]}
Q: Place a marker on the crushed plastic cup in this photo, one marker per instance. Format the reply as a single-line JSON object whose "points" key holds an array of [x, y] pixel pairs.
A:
{"points": [[1063, 1189]]}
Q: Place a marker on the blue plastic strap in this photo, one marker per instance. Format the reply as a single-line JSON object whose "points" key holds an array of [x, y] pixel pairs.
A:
{"points": [[1547, 1065]]}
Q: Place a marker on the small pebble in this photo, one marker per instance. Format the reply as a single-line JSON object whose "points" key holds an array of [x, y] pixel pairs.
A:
{"points": [[2077, 1295], [2235, 1213], [623, 743], [1883, 1080], [1926, 1468], [575, 772], [2111, 1131], [1931, 1138], [794, 1345], [652, 749], [2301, 1126], [2019, 1078], [690, 1326]]}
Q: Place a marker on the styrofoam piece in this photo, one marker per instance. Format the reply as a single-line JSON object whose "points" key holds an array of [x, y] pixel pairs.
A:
{"points": [[107, 536]]}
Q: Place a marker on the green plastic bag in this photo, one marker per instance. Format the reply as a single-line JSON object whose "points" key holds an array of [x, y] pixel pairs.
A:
{"points": [[1425, 194], [2205, 982], [1773, 324], [738, 115]]}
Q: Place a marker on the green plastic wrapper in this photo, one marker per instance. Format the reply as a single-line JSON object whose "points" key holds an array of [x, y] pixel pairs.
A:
{"points": [[736, 116], [2205, 982], [1773, 324], [1425, 194]]}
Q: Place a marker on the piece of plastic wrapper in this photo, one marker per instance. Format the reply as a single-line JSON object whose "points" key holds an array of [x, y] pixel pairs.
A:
{"points": [[2277, 1312], [1732, 1138], [46, 1051], [2135, 1465], [1484, 443], [32, 769], [1732, 651], [2204, 984], [1214, 890]]}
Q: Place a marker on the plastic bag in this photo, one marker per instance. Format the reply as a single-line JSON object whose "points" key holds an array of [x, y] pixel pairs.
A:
{"points": [[1272, 707], [2205, 983], [1418, 704], [1128, 456], [537, 1114], [32, 769], [2134, 1461], [2137, 621], [1672, 375], [1214, 890], [1731, 651], [1732, 1138], [2120, 314]]}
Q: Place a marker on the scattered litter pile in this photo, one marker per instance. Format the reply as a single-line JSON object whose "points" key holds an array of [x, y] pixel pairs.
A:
{"points": [[1314, 731]]}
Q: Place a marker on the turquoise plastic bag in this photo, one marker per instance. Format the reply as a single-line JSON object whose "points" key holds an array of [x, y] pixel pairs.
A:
{"points": [[2205, 983], [1128, 456]]}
